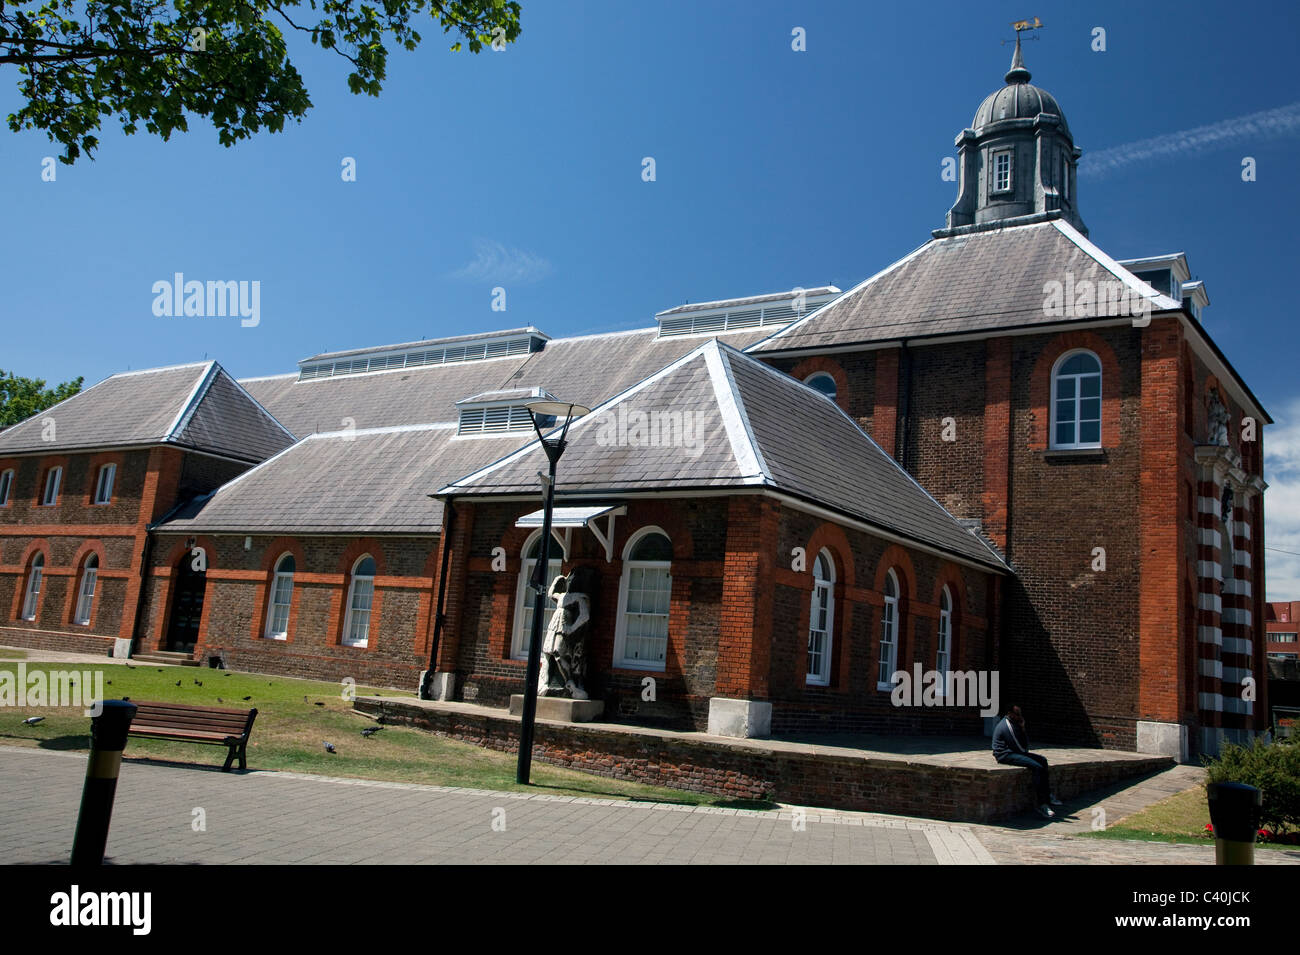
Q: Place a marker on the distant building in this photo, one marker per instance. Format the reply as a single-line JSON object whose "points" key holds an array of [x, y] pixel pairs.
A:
{"points": [[1282, 623]]}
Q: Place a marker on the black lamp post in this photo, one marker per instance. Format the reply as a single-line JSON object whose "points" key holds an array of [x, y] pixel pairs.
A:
{"points": [[554, 447]]}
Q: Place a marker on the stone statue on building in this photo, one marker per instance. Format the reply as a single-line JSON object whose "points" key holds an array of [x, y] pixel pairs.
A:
{"points": [[564, 645], [1218, 420]]}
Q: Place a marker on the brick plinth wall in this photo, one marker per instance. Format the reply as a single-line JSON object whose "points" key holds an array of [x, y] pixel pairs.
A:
{"points": [[868, 784]]}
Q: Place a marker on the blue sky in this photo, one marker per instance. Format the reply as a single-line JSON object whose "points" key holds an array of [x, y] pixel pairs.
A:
{"points": [[774, 168]]}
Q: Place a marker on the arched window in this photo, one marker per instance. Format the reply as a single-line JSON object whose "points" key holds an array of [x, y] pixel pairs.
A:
{"points": [[1076, 401], [943, 653], [277, 612], [361, 594], [86, 592], [524, 594], [823, 382], [33, 587], [644, 594], [821, 620], [888, 634]]}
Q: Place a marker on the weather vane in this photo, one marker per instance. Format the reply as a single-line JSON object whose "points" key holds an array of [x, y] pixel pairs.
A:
{"points": [[1022, 25]]}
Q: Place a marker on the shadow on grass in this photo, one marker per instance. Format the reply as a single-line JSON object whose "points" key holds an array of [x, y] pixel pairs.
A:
{"points": [[79, 741]]}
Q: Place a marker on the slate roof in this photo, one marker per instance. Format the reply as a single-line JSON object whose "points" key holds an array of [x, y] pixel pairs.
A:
{"points": [[979, 282], [196, 406], [586, 369], [347, 482], [754, 427]]}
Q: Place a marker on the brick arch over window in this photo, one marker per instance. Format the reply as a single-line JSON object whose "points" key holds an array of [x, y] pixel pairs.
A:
{"points": [[810, 366], [38, 546], [338, 606], [898, 560], [663, 514], [831, 537], [1040, 387], [270, 560], [70, 599], [950, 575]]}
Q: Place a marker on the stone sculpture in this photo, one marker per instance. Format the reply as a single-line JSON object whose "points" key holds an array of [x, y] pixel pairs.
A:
{"points": [[564, 645]]}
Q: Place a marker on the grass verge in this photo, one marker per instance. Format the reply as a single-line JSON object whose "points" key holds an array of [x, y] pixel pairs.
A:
{"points": [[294, 720]]}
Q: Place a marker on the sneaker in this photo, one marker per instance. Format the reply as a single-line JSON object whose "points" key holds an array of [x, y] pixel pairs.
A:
{"points": [[1055, 801], [1046, 811]]}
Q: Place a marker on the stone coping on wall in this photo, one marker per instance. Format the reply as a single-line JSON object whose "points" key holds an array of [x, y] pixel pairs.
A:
{"points": [[953, 778]]}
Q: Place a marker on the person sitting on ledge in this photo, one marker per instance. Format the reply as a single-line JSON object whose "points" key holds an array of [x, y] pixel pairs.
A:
{"points": [[1011, 747]]}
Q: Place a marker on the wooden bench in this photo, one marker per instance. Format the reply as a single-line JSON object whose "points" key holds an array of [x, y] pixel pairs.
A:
{"points": [[196, 724]]}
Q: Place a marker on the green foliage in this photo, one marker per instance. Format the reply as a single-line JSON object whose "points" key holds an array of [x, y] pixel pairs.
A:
{"points": [[20, 398], [1271, 767], [155, 63]]}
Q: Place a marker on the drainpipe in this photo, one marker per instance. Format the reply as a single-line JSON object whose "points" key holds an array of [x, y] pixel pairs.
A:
{"points": [[440, 616], [904, 406]]}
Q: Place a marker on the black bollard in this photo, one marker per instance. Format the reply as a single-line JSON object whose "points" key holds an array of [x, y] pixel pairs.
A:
{"points": [[1234, 813], [107, 740]]}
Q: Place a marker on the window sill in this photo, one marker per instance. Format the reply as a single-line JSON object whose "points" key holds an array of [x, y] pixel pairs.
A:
{"points": [[1066, 454], [639, 667]]}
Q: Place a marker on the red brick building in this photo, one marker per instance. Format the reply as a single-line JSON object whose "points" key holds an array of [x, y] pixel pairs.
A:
{"points": [[1282, 625], [1007, 452]]}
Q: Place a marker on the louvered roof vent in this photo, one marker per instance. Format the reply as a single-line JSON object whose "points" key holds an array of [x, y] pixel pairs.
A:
{"points": [[433, 351], [498, 412]]}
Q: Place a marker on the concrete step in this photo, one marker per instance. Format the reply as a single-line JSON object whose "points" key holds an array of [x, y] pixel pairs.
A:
{"points": [[169, 657]]}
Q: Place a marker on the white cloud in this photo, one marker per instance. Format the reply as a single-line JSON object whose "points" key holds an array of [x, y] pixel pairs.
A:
{"points": [[494, 262], [1267, 124], [1282, 505]]}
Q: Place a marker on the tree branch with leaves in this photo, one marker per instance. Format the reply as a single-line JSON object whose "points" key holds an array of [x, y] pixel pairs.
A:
{"points": [[155, 64]]}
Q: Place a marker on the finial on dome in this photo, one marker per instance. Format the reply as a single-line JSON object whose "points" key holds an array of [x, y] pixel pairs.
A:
{"points": [[1017, 73]]}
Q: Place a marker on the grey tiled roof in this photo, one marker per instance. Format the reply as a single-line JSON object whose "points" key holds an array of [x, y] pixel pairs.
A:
{"points": [[355, 483], [971, 283], [587, 370], [197, 406], [753, 427]]}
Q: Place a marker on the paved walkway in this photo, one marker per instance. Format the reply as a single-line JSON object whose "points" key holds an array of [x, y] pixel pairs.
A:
{"points": [[269, 817]]}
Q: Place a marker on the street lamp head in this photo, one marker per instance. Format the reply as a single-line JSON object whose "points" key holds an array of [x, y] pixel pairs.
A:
{"points": [[544, 407]]}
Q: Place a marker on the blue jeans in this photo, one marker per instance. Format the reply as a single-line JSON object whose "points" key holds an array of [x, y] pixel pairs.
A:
{"points": [[1038, 766]]}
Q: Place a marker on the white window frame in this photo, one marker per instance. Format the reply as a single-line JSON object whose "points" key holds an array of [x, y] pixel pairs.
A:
{"points": [[274, 605], [822, 598], [6, 485], [86, 592], [1053, 443], [53, 478], [994, 156], [349, 640], [943, 639], [620, 630], [35, 574], [522, 630], [889, 628], [835, 388], [104, 484]]}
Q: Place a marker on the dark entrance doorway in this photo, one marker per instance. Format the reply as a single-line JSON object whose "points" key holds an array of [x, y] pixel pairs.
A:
{"points": [[187, 607]]}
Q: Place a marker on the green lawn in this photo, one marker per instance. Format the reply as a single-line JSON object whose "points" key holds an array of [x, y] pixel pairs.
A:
{"points": [[295, 718], [1181, 818]]}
